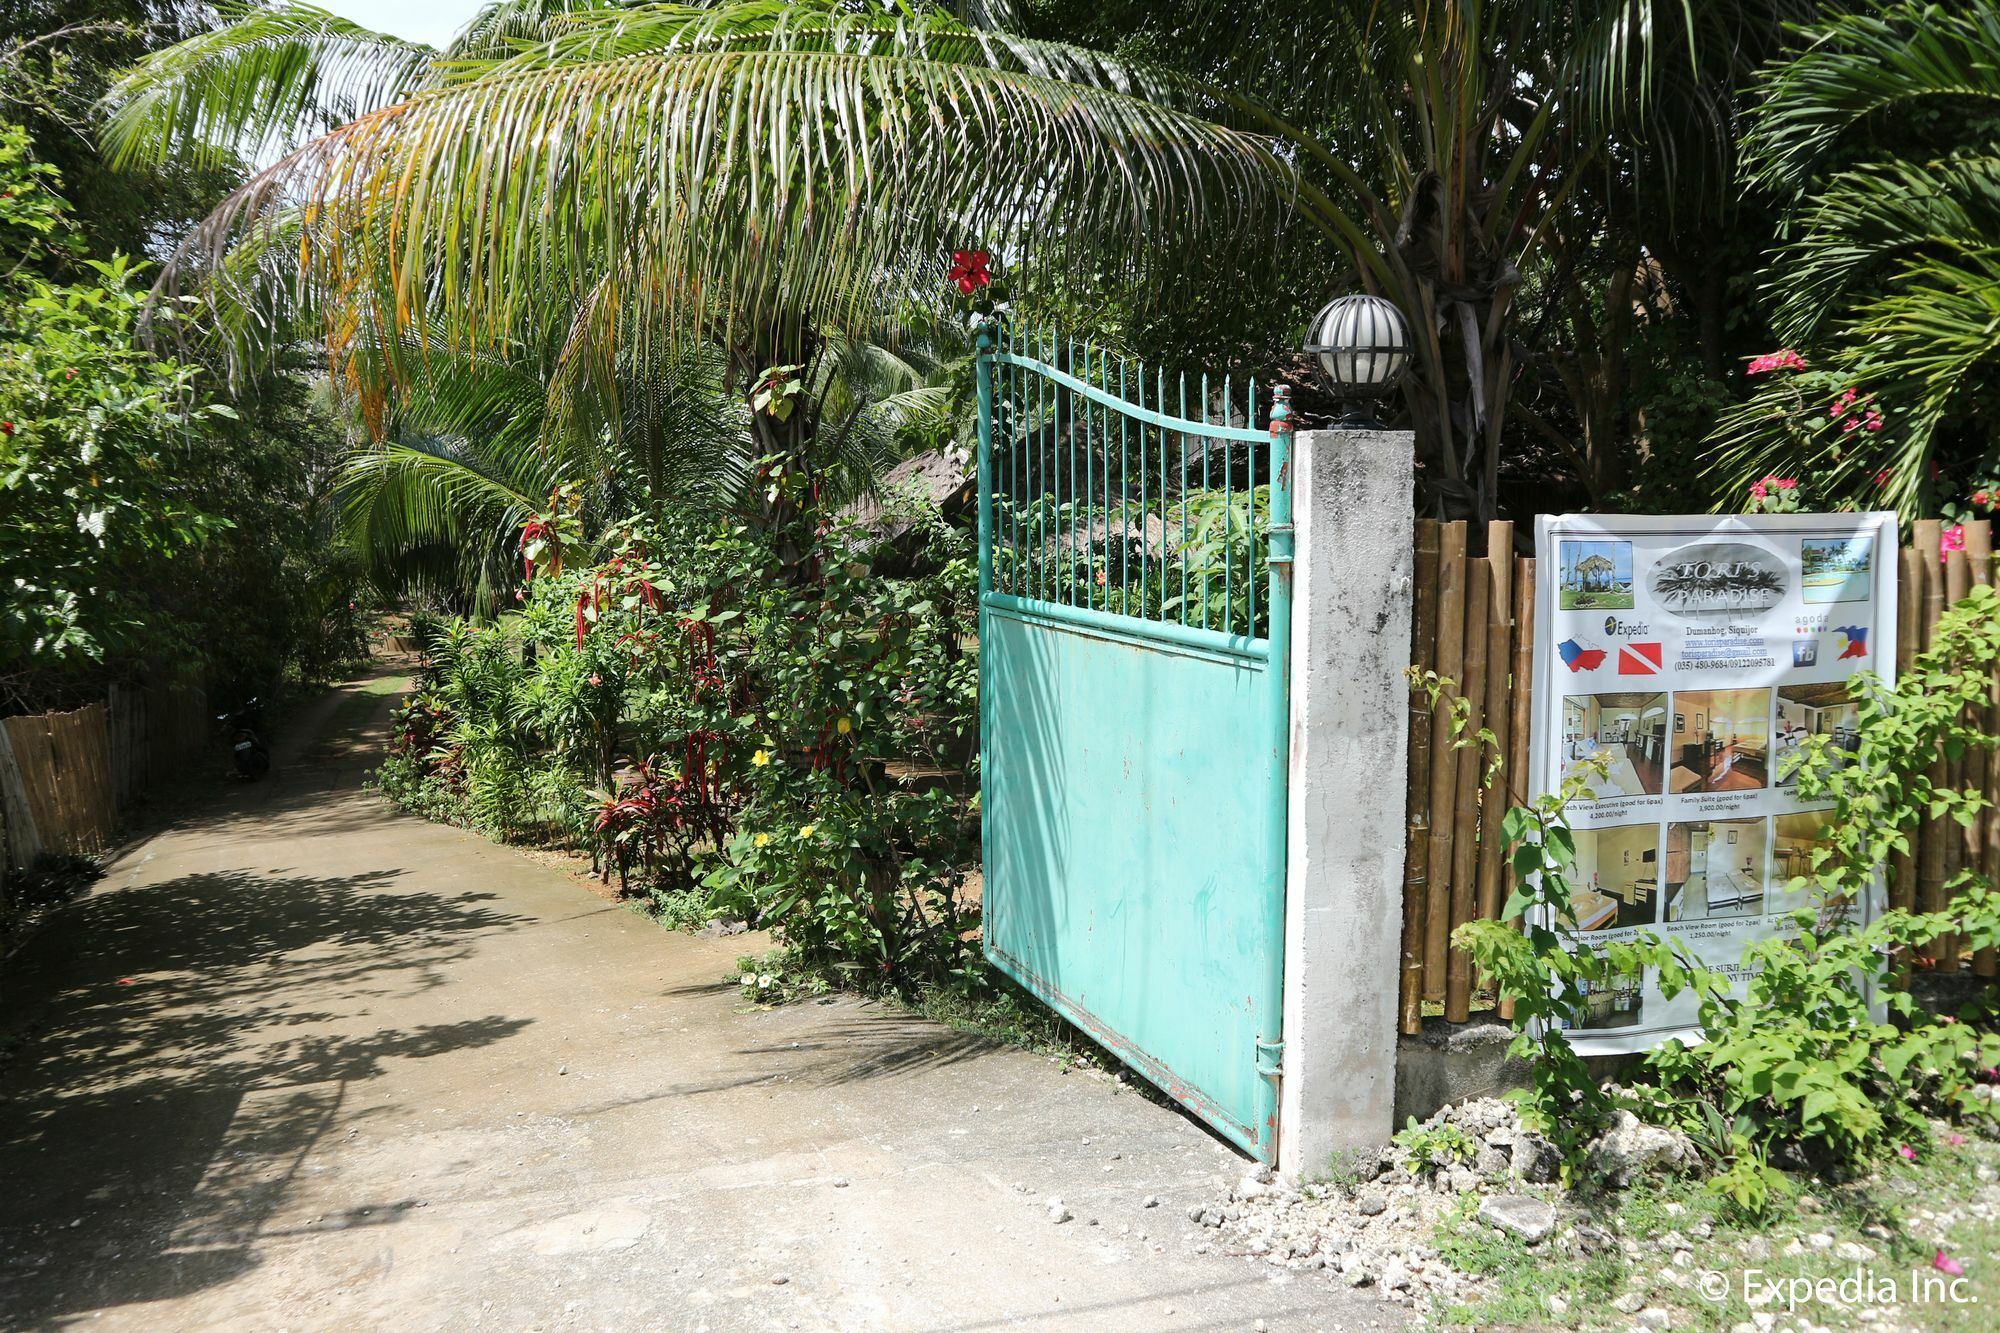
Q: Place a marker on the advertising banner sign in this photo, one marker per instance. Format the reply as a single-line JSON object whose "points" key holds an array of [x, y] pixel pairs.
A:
{"points": [[1693, 656]]}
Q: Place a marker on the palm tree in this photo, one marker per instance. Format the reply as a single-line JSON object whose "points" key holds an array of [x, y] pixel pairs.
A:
{"points": [[1888, 284], [436, 505], [763, 175]]}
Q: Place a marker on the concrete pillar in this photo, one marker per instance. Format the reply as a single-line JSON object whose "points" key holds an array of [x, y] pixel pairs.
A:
{"points": [[1351, 612]]}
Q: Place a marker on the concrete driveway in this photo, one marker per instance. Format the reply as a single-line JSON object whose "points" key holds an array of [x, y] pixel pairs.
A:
{"points": [[300, 1062]]}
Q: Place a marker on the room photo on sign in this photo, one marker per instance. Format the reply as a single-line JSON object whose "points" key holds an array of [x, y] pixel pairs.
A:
{"points": [[1626, 732], [1715, 868], [1812, 710], [1616, 877], [1721, 741]]}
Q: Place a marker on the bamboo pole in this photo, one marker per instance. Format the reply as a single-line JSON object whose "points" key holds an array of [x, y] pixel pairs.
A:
{"points": [[1515, 781], [1986, 854], [1934, 850], [1416, 843], [1465, 808], [1499, 720], [1961, 843], [1444, 759], [1904, 866]]}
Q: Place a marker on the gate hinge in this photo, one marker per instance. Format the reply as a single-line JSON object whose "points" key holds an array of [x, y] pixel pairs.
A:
{"points": [[1270, 1058]]}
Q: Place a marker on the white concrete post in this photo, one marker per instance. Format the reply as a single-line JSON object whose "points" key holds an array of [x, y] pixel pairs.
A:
{"points": [[1351, 613]]}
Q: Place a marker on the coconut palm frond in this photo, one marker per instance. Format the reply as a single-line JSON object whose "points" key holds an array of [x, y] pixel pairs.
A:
{"points": [[1861, 65], [928, 409], [740, 189], [1889, 280], [500, 30], [595, 34], [1873, 218], [262, 82], [403, 501]]}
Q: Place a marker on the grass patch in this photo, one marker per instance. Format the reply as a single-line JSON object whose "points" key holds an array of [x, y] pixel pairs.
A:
{"points": [[1893, 1215], [678, 909]]}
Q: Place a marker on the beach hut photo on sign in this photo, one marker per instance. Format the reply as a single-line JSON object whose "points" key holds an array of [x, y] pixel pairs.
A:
{"points": [[1596, 576]]}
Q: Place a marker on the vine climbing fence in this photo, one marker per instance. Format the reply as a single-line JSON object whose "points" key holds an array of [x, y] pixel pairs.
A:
{"points": [[1474, 625]]}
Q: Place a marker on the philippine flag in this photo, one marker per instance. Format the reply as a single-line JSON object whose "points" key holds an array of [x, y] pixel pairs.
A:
{"points": [[1856, 641]]}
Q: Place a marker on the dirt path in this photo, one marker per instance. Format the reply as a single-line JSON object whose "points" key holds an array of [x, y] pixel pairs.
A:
{"points": [[302, 1063]]}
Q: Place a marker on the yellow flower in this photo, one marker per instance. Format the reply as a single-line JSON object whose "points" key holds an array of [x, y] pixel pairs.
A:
{"points": [[762, 840], [761, 758], [843, 726], [807, 831]]}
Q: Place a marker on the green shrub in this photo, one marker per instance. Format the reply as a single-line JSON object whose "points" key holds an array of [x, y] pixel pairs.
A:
{"points": [[1796, 1069], [1800, 1066], [1436, 1147], [858, 824], [758, 713]]}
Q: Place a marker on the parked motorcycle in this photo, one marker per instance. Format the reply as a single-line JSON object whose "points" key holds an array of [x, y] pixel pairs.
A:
{"points": [[245, 730]]}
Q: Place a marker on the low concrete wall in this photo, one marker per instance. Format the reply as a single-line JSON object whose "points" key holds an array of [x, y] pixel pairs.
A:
{"points": [[1449, 1062]]}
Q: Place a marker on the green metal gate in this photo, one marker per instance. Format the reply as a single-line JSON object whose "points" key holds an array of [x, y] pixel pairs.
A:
{"points": [[1135, 581]]}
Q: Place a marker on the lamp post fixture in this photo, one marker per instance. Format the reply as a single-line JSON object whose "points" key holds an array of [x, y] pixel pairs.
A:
{"points": [[1363, 346]]}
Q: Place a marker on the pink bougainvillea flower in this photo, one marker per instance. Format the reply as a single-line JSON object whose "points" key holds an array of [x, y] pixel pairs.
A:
{"points": [[1955, 1140], [1785, 483], [1907, 1153], [1944, 1263], [970, 270], [1757, 489], [1982, 498], [1782, 359], [1953, 539]]}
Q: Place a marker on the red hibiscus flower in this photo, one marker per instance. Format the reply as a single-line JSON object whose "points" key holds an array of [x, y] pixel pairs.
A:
{"points": [[970, 270]]}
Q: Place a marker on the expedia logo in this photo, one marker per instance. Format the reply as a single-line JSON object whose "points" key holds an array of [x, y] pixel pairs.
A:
{"points": [[1626, 629]]}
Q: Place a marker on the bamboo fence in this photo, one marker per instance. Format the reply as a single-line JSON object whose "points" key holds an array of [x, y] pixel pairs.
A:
{"points": [[1474, 624], [65, 777]]}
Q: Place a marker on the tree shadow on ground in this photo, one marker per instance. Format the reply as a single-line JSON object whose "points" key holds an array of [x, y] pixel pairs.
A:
{"points": [[173, 1063]]}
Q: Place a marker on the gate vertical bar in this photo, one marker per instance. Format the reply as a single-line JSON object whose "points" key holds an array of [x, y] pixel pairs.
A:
{"points": [[1279, 700], [982, 357]]}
